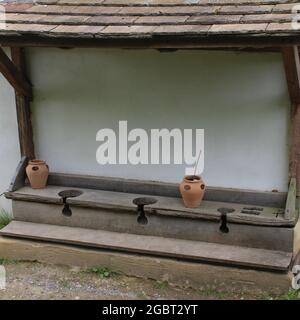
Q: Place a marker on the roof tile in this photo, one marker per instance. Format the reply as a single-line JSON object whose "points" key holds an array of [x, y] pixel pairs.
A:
{"points": [[215, 19], [149, 18], [127, 30], [113, 20], [238, 28], [154, 20], [188, 29], [246, 9], [82, 29]]}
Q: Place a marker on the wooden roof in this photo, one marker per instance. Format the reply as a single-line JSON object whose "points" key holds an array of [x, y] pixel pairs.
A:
{"points": [[161, 22]]}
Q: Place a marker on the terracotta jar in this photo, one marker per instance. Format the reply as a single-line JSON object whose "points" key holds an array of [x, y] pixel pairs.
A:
{"points": [[37, 172], [192, 190]]}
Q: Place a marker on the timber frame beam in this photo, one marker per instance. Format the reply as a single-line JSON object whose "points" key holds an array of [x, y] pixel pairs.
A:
{"points": [[14, 76], [291, 62], [23, 107], [14, 71]]}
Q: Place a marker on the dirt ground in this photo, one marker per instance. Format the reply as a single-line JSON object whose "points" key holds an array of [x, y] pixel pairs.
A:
{"points": [[27, 280]]}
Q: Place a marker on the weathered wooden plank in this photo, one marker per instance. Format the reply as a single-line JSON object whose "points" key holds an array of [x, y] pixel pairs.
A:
{"points": [[18, 180], [268, 199], [113, 200], [297, 240], [272, 42], [23, 109], [158, 246], [196, 275], [14, 76]]}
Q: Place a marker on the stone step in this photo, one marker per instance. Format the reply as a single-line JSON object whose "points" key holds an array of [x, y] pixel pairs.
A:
{"points": [[152, 245]]}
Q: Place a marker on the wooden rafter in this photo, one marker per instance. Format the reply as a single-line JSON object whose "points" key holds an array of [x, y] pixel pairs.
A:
{"points": [[14, 76], [23, 108]]}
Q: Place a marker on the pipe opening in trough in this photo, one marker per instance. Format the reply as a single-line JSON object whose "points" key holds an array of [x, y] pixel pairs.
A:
{"points": [[224, 211], [140, 203], [70, 194], [65, 194], [252, 210]]}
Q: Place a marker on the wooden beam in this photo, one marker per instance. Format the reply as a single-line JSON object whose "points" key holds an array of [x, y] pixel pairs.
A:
{"points": [[157, 41], [292, 70], [164, 189], [23, 109], [197, 275], [294, 163], [152, 245], [13, 75]]}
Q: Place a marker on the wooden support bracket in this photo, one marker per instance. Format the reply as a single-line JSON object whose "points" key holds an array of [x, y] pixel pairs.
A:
{"points": [[14, 76], [18, 180]]}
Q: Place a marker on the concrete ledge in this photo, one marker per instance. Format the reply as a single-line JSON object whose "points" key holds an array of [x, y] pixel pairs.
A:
{"points": [[176, 272]]}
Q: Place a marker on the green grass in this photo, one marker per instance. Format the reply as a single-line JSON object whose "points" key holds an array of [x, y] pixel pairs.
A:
{"points": [[142, 296], [65, 284], [102, 272], [293, 294], [213, 292], [7, 261], [5, 219], [161, 285], [290, 295]]}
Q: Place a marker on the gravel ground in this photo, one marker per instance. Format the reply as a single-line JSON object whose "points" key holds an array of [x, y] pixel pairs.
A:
{"points": [[27, 280]]}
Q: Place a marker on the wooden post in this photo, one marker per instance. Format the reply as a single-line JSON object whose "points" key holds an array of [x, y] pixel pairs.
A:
{"points": [[23, 108], [292, 69]]}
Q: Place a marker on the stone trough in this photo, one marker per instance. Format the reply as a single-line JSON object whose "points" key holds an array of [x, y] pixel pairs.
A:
{"points": [[231, 227]]}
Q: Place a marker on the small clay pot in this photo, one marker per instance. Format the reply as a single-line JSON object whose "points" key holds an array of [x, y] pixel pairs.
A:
{"points": [[37, 172], [192, 190]]}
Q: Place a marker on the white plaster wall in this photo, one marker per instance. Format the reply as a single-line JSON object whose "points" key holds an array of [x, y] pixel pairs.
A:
{"points": [[240, 99], [9, 145]]}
